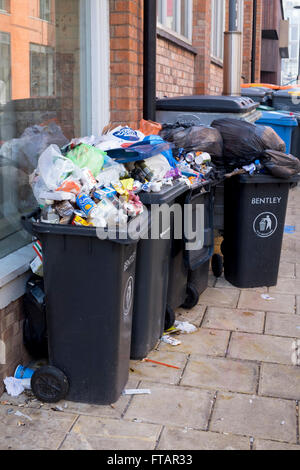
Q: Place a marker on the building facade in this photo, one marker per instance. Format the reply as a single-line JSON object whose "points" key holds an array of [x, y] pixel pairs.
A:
{"points": [[78, 64]]}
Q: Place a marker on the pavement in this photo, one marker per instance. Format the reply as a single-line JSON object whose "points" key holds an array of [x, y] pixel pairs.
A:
{"points": [[235, 386]]}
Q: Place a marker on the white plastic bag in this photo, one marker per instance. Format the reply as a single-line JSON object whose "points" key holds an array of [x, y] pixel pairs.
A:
{"points": [[54, 168]]}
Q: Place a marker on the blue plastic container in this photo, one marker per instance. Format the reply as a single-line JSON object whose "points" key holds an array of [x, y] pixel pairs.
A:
{"points": [[282, 123], [23, 372]]}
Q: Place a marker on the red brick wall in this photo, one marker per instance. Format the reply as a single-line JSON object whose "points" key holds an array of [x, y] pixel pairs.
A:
{"points": [[179, 71], [126, 44], [175, 70], [11, 334]]}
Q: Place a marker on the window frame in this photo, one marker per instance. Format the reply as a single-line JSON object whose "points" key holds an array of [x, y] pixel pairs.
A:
{"points": [[162, 15]]}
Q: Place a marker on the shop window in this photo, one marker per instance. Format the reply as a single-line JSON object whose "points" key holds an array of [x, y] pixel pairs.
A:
{"points": [[48, 84], [176, 16]]}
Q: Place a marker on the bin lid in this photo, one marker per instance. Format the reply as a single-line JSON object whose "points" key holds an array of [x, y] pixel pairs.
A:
{"points": [[287, 93], [207, 104], [257, 92], [277, 118]]}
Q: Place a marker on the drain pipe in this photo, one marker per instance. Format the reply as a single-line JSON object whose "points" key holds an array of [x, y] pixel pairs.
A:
{"points": [[149, 92], [232, 64], [253, 53]]}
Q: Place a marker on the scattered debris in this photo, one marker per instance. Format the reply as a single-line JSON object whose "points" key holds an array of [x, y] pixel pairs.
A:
{"points": [[169, 340], [160, 363], [57, 408], [267, 297], [137, 391], [185, 326], [18, 413]]}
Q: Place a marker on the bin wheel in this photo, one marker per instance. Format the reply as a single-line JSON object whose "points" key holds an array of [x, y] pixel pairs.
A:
{"points": [[217, 265], [222, 247], [192, 297], [49, 384], [169, 318]]}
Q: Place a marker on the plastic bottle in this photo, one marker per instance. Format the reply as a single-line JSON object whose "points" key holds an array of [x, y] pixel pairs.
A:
{"points": [[49, 216]]}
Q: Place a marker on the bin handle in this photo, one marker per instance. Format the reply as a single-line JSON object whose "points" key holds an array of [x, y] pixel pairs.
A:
{"points": [[27, 222]]}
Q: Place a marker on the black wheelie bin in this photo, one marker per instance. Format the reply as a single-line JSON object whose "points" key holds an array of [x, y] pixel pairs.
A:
{"points": [[89, 287], [255, 210]]}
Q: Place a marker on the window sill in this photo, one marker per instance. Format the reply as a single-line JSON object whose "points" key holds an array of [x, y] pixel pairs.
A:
{"points": [[14, 273], [15, 264], [169, 36], [217, 62]]}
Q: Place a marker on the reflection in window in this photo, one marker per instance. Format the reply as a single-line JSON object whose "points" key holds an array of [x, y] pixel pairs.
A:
{"points": [[40, 100], [5, 5], [4, 68], [41, 70], [45, 10]]}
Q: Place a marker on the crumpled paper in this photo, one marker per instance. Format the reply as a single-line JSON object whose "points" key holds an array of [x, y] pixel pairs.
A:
{"points": [[15, 387]]}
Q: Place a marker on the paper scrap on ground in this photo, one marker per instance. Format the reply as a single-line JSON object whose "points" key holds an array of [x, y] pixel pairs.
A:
{"points": [[18, 413], [14, 387], [169, 340], [137, 391], [267, 297], [185, 326]]}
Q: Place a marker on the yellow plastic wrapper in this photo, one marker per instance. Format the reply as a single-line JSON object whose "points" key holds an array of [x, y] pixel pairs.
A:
{"points": [[128, 184]]}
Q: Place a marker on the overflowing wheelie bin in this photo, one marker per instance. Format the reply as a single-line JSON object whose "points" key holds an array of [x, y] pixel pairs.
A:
{"points": [[89, 287], [152, 272]]}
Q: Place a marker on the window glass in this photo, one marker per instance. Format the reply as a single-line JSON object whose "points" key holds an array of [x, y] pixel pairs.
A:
{"points": [[39, 100], [5, 5], [45, 10], [217, 28], [176, 15]]}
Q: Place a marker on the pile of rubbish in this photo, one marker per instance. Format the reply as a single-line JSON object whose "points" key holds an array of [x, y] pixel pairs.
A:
{"points": [[251, 148], [235, 147], [96, 181]]}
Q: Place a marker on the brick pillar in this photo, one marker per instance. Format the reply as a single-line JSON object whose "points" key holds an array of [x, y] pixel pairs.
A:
{"points": [[201, 41], [126, 43]]}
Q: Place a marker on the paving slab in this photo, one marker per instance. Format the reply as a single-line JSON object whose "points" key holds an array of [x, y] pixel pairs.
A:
{"points": [[91, 433], [234, 320], [298, 304], [159, 373], [218, 297], [204, 341], [194, 316], [220, 374], [261, 444], [279, 324], [286, 286], [280, 381], [282, 303], [187, 439], [177, 406], [261, 348], [38, 429], [222, 283], [259, 417], [287, 270]]}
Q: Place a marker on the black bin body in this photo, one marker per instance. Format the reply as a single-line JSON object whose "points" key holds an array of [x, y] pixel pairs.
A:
{"points": [[191, 266], [89, 286], [152, 275], [255, 210]]}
